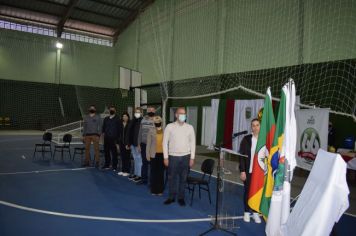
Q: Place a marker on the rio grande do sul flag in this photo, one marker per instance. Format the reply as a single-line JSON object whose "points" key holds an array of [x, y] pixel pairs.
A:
{"points": [[263, 148], [273, 160]]}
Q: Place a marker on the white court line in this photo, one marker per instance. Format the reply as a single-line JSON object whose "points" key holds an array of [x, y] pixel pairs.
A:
{"points": [[233, 182], [349, 214], [44, 171], [98, 217], [75, 169], [109, 218]]}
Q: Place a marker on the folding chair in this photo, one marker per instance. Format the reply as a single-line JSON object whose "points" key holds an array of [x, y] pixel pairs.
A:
{"points": [[45, 147], [207, 167], [67, 139]]}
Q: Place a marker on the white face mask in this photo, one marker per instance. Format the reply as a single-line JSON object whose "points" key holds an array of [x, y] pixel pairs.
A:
{"points": [[137, 115], [182, 117]]}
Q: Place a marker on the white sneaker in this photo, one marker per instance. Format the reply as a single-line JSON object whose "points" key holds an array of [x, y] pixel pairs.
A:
{"points": [[120, 173], [256, 218], [247, 216], [125, 174]]}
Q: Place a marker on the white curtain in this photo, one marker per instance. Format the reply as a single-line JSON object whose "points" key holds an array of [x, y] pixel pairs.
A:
{"points": [[214, 121], [245, 111], [206, 127]]}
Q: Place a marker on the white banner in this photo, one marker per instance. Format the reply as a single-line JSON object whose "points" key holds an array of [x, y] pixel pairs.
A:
{"points": [[312, 134], [244, 112]]}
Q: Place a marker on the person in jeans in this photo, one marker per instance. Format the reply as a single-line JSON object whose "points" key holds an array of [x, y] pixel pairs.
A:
{"points": [[123, 144], [111, 132], [134, 144], [154, 154], [146, 125], [179, 153], [91, 134], [248, 148]]}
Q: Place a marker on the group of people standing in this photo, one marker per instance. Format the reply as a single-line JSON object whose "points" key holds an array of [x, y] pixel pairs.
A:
{"points": [[152, 148], [157, 149]]}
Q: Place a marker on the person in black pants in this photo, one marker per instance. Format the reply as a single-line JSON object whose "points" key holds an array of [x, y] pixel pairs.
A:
{"points": [[124, 145], [248, 147], [111, 133], [154, 154]]}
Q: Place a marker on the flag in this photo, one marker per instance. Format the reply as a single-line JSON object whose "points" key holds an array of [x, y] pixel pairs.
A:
{"points": [[290, 149], [274, 162], [225, 123], [263, 148], [231, 116], [229, 123], [220, 122], [284, 149]]}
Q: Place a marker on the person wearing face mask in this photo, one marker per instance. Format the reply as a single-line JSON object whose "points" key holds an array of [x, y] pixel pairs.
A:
{"points": [[146, 125], [91, 134], [134, 144], [179, 154], [111, 132], [123, 143], [248, 148], [154, 154]]}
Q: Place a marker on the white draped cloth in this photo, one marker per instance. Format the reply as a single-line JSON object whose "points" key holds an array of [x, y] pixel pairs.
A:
{"points": [[323, 200]]}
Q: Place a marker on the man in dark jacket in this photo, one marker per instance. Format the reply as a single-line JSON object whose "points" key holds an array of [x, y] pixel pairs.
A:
{"points": [[134, 143], [111, 133], [248, 148]]}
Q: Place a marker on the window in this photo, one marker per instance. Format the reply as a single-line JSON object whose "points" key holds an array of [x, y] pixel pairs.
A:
{"points": [[53, 33]]}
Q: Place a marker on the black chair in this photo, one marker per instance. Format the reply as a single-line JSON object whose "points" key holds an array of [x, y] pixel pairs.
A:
{"points": [[207, 167], [45, 147], [67, 139]]}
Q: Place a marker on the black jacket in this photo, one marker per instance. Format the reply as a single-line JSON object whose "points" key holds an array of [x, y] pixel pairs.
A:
{"points": [[124, 137], [111, 127], [133, 132], [245, 149]]}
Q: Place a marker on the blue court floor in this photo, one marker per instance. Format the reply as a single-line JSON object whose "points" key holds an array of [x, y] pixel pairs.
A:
{"points": [[46, 197]]}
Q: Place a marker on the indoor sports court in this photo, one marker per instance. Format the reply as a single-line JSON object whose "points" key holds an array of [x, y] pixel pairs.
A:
{"points": [[67, 66]]}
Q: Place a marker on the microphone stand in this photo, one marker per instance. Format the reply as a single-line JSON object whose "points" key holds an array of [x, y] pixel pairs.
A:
{"points": [[216, 225]]}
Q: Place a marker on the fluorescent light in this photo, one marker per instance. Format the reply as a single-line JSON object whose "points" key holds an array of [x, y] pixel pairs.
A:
{"points": [[59, 45]]}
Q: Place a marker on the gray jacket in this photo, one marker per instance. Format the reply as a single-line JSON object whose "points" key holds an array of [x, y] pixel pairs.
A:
{"points": [[92, 125], [146, 125]]}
